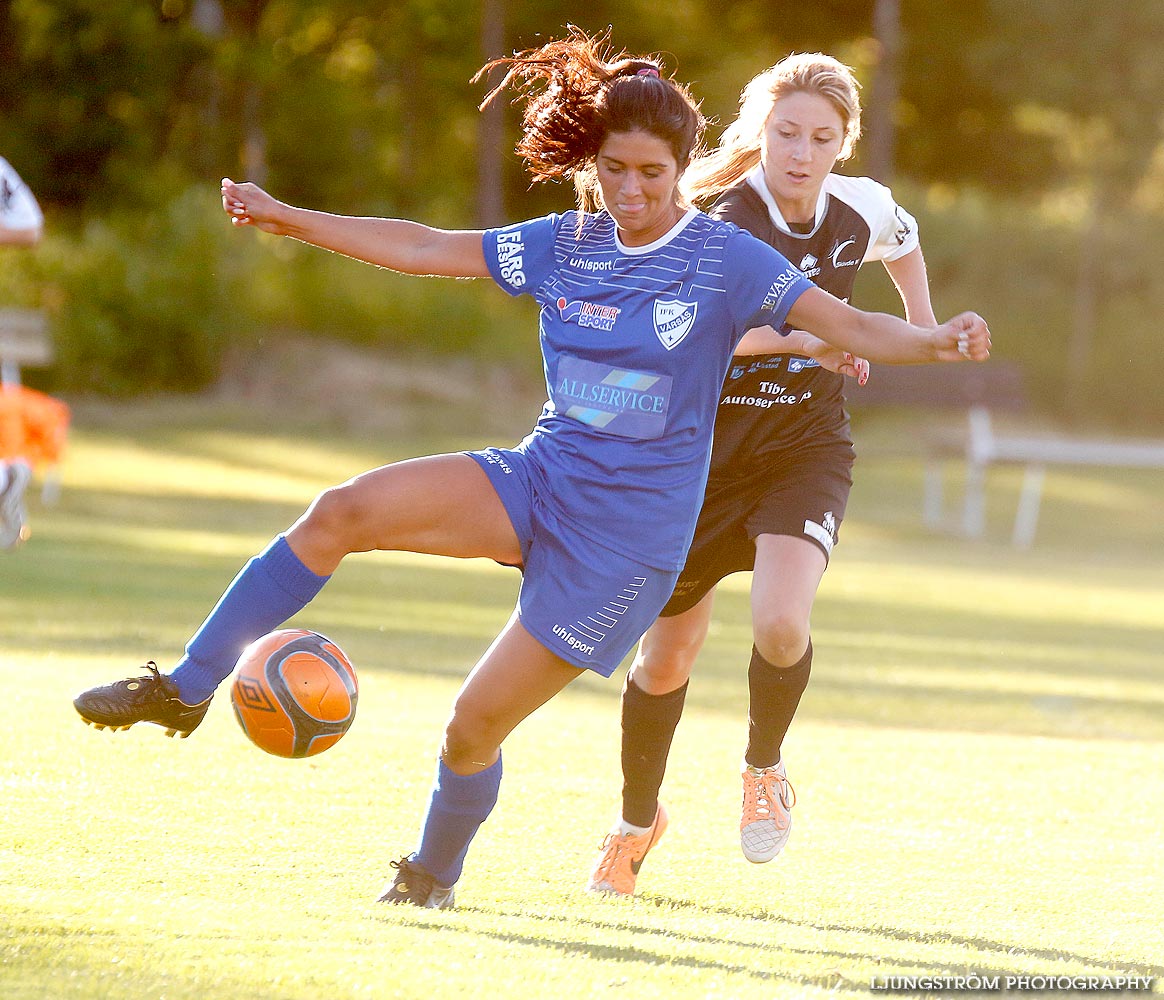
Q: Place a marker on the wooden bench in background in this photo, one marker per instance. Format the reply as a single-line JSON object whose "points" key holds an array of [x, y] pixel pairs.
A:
{"points": [[978, 392], [24, 341]]}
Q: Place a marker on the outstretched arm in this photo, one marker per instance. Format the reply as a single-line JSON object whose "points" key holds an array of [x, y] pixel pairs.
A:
{"points": [[885, 339], [398, 244], [913, 285]]}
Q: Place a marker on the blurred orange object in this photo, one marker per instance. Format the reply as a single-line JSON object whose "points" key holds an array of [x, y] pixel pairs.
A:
{"points": [[33, 425]]}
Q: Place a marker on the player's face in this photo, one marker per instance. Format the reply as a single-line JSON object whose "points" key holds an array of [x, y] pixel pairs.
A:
{"points": [[638, 174], [801, 142]]}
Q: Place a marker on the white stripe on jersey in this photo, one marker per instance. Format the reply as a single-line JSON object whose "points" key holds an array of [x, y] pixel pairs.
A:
{"points": [[583, 263]]}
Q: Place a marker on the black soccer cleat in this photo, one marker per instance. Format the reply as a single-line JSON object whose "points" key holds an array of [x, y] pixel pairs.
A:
{"points": [[152, 697], [416, 886]]}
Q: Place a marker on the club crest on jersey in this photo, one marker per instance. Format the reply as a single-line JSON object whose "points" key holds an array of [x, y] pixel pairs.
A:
{"points": [[673, 321], [840, 247], [588, 314]]}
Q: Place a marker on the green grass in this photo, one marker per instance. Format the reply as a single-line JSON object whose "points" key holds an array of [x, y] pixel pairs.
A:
{"points": [[978, 757]]}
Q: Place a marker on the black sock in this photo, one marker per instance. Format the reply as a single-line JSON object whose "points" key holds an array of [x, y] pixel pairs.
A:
{"points": [[775, 692], [648, 726]]}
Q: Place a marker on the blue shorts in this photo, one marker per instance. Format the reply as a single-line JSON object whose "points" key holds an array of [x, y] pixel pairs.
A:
{"points": [[581, 600]]}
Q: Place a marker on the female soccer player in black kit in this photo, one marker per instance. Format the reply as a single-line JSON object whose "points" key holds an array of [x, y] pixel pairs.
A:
{"points": [[780, 472]]}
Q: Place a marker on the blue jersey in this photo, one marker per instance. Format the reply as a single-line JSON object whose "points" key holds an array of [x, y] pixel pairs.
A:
{"points": [[636, 342]]}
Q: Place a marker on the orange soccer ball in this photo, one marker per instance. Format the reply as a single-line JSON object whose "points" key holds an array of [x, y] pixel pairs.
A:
{"points": [[294, 693]]}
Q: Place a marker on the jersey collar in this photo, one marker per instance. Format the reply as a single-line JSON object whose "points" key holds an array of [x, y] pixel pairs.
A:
{"points": [[663, 240], [760, 186]]}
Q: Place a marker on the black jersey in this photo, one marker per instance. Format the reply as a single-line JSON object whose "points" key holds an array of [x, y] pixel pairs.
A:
{"points": [[774, 403]]}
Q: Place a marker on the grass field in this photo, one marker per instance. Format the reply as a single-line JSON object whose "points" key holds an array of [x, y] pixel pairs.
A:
{"points": [[978, 759]]}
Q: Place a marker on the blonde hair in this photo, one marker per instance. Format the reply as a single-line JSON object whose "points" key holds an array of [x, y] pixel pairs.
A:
{"points": [[738, 152]]}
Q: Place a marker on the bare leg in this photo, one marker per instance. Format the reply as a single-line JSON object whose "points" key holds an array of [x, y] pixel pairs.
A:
{"points": [[668, 650], [516, 676], [443, 505], [788, 573], [784, 585]]}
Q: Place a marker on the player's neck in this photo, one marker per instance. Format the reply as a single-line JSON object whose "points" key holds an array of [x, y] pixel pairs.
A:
{"points": [[798, 210]]}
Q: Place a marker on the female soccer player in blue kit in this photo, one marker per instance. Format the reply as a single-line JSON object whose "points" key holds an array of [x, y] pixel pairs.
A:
{"points": [[643, 300], [782, 453]]}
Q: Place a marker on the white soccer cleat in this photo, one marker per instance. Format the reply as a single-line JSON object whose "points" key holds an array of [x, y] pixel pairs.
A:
{"points": [[766, 816]]}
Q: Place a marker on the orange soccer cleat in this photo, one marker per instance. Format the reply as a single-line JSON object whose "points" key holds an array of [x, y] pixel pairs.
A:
{"points": [[622, 856]]}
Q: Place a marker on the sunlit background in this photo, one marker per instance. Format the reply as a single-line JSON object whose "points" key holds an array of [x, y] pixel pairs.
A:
{"points": [[1025, 137]]}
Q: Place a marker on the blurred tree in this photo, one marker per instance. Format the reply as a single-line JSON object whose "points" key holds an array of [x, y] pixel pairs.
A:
{"points": [[87, 88], [1091, 84], [881, 109], [1048, 107], [954, 112], [241, 56], [361, 101], [491, 124]]}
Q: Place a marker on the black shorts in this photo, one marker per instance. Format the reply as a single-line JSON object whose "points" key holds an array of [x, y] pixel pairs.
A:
{"points": [[805, 498]]}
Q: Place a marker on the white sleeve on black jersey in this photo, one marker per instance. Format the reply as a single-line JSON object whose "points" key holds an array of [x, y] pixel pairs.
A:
{"points": [[18, 208], [892, 230]]}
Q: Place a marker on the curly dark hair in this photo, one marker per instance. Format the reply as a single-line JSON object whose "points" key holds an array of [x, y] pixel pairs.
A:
{"points": [[576, 92]]}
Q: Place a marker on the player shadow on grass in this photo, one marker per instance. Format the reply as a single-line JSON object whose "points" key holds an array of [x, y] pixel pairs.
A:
{"points": [[628, 954], [982, 944], [777, 953]]}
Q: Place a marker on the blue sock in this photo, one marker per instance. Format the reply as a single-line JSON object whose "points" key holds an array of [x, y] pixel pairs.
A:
{"points": [[459, 805], [268, 590]]}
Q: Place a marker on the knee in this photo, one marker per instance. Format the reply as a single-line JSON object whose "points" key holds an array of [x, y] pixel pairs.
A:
{"points": [[336, 515], [660, 667], [780, 636], [468, 745]]}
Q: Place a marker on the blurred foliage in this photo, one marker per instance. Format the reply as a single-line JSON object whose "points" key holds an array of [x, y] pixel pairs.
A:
{"points": [[150, 301], [1015, 263], [308, 289], [366, 104], [1029, 139], [145, 301]]}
